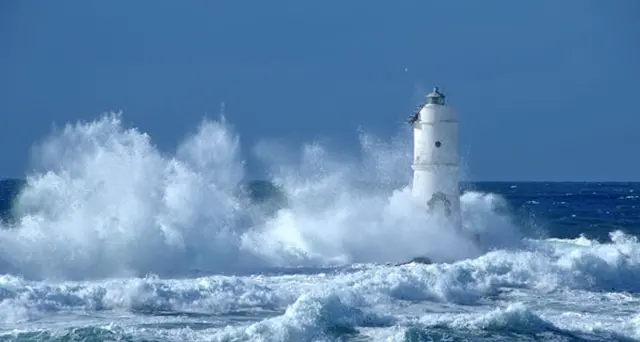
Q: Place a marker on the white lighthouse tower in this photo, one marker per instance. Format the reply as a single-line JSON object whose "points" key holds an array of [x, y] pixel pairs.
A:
{"points": [[436, 169]]}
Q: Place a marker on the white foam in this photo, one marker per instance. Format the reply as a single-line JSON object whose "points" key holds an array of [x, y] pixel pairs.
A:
{"points": [[104, 202], [536, 291]]}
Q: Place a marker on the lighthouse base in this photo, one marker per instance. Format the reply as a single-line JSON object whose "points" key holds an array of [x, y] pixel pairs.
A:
{"points": [[425, 260], [417, 260]]}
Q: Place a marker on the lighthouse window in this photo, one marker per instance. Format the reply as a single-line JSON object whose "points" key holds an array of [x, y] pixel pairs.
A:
{"points": [[438, 144]]}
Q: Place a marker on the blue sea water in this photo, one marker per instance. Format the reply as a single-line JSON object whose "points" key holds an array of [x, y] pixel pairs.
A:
{"points": [[111, 240]]}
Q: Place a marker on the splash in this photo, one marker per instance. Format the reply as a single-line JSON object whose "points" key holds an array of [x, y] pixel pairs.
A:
{"points": [[104, 201]]}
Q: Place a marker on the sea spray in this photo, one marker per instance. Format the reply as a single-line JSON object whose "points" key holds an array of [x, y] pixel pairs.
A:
{"points": [[104, 201]]}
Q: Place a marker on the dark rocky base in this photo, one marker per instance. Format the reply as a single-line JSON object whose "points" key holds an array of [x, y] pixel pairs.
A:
{"points": [[417, 260]]}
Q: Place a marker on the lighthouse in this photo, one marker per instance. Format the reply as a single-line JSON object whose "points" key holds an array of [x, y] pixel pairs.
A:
{"points": [[436, 168]]}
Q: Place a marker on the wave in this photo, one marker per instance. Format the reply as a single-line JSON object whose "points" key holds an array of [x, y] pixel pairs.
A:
{"points": [[103, 201], [499, 294]]}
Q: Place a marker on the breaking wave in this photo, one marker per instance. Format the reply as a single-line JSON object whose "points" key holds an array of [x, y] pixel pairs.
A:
{"points": [[103, 201], [502, 295]]}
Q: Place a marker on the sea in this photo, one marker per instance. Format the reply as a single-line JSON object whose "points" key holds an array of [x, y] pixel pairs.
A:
{"points": [[109, 238]]}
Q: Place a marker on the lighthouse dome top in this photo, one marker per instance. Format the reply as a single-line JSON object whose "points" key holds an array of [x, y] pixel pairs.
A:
{"points": [[435, 97]]}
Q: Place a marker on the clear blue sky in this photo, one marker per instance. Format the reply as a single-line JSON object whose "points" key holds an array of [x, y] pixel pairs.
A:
{"points": [[545, 90]]}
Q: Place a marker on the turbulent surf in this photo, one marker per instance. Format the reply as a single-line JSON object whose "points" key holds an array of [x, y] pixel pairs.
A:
{"points": [[108, 238]]}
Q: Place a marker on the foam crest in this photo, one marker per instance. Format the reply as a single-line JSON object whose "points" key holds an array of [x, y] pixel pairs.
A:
{"points": [[23, 301], [613, 266], [515, 318], [312, 317]]}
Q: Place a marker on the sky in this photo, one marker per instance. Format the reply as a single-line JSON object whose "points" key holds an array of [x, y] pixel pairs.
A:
{"points": [[544, 90]]}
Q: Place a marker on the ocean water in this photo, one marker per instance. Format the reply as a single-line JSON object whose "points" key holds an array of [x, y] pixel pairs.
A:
{"points": [[109, 239]]}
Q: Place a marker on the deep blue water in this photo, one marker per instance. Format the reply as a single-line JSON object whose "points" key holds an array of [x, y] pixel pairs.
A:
{"points": [[568, 209]]}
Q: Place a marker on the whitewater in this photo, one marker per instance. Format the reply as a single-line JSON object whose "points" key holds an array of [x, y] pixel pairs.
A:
{"points": [[112, 239]]}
